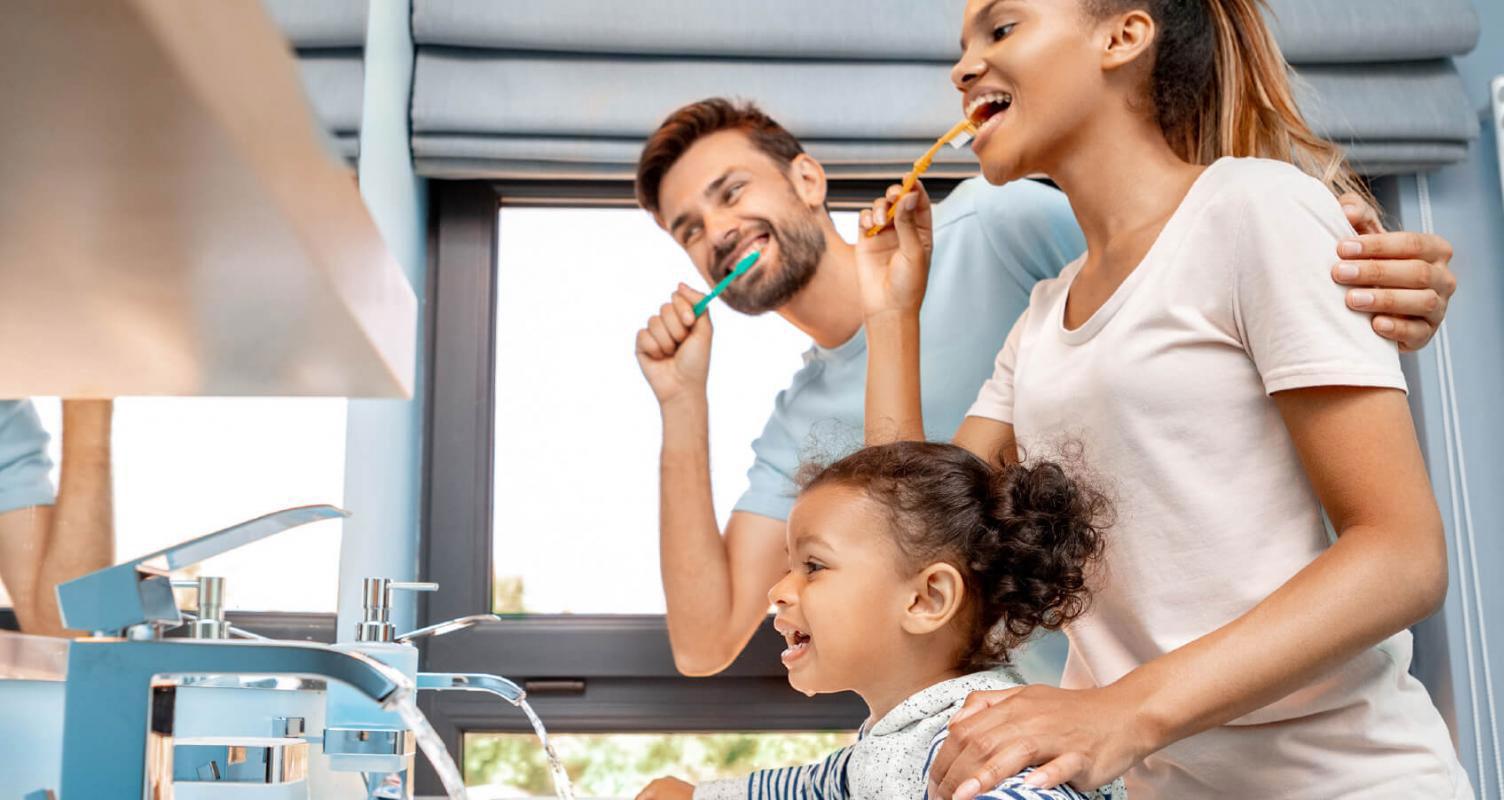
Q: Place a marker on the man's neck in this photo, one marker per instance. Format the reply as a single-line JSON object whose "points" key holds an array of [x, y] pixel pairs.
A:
{"points": [[829, 308]]}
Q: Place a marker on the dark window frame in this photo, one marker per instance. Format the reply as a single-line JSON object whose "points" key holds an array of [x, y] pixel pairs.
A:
{"points": [[584, 672]]}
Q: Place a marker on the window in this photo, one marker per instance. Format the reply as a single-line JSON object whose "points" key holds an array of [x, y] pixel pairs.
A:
{"points": [[577, 428], [184, 467], [541, 494]]}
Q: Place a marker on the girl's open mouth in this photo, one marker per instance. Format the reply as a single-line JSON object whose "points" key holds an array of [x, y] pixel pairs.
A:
{"points": [[798, 645]]}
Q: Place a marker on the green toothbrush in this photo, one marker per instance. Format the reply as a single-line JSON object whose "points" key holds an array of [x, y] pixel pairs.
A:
{"points": [[741, 269]]}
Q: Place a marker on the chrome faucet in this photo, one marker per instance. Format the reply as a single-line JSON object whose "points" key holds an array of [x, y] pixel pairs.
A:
{"points": [[122, 683], [117, 729], [472, 682], [136, 596]]}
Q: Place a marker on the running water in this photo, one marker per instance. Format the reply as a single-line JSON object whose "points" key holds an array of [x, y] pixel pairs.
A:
{"points": [[555, 766], [433, 748]]}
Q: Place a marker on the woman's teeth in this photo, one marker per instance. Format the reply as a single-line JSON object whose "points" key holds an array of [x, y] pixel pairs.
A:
{"points": [[985, 110]]}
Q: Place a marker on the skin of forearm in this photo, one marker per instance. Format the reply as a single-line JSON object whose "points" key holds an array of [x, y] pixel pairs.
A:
{"points": [[82, 536], [894, 409], [696, 569], [23, 543], [1375, 580]]}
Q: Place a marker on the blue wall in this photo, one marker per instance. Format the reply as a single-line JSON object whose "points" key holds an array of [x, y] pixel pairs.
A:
{"points": [[383, 458], [1468, 210]]}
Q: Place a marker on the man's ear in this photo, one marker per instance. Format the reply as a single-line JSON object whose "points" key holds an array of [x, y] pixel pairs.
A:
{"points": [[1129, 37], [808, 178], [938, 593]]}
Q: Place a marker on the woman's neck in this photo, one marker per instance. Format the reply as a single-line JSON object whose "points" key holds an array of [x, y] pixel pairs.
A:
{"points": [[1121, 177]]}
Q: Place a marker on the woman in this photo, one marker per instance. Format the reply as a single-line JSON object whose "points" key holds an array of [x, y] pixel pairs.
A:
{"points": [[1231, 649]]}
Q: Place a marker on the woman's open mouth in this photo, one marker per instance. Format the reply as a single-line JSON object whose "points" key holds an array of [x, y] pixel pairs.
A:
{"points": [[986, 112]]}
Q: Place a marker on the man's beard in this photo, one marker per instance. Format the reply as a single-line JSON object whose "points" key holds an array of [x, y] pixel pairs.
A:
{"points": [[801, 245]]}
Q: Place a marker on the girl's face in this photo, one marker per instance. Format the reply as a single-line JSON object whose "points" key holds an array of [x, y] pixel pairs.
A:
{"points": [[1030, 75], [842, 604]]}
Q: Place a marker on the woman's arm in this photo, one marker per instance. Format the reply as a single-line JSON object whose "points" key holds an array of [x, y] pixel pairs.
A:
{"points": [[892, 269], [1386, 571]]}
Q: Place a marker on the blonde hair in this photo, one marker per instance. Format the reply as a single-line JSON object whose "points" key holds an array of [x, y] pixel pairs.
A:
{"points": [[1221, 87]]}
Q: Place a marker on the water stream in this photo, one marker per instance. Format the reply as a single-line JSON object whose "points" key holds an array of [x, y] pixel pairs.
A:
{"points": [[449, 774], [433, 747], [562, 788]]}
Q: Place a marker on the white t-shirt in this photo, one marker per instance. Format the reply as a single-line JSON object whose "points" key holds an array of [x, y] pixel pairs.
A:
{"points": [[1166, 387]]}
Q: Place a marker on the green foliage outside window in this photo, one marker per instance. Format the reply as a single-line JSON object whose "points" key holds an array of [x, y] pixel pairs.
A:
{"points": [[619, 765]]}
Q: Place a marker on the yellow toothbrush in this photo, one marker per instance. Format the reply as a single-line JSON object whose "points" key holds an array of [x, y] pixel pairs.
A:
{"points": [[955, 137]]}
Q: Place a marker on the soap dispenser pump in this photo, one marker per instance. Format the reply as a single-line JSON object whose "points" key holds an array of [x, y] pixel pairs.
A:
{"points": [[359, 735]]}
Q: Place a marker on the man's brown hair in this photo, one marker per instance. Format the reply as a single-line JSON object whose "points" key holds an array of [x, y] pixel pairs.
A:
{"points": [[689, 124]]}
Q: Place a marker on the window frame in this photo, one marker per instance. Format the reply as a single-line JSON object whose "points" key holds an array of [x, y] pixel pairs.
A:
{"points": [[585, 673]]}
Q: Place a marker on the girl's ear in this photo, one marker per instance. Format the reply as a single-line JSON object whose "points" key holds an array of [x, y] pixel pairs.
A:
{"points": [[808, 178], [1129, 37], [939, 592]]}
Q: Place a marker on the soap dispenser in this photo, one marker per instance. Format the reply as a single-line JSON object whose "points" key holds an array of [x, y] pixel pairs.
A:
{"points": [[359, 735]]}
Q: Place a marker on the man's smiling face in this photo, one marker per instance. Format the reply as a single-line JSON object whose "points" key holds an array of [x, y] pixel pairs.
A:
{"points": [[724, 198]]}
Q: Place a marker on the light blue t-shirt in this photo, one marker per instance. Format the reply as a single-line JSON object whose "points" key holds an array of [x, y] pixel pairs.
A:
{"points": [[24, 465], [992, 244]]}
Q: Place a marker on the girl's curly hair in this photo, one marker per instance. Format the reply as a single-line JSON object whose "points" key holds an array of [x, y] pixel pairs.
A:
{"points": [[1024, 537]]}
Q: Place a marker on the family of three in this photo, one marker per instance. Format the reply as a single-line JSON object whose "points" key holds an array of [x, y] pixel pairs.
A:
{"points": [[1153, 389]]}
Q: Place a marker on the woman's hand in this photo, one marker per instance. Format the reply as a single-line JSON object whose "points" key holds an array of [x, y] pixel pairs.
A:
{"points": [[667, 789], [893, 266], [1087, 738]]}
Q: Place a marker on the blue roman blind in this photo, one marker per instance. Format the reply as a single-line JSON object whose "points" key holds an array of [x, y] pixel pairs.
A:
{"points": [[329, 37], [568, 89]]}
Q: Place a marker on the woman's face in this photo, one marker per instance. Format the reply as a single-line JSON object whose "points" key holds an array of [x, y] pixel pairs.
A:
{"points": [[1030, 75]]}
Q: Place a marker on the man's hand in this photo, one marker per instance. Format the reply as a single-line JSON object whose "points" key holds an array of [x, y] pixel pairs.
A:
{"points": [[1403, 279], [1087, 738], [893, 266], [673, 349], [667, 789]]}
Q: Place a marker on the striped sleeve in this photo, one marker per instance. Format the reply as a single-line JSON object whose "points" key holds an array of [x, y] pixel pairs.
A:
{"points": [[1011, 788], [823, 780]]}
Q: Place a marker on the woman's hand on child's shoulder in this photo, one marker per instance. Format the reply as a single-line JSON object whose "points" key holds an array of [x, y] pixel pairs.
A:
{"points": [[667, 789], [1085, 737]]}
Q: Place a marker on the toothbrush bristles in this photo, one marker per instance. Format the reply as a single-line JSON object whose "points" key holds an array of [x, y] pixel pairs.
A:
{"points": [[962, 139]]}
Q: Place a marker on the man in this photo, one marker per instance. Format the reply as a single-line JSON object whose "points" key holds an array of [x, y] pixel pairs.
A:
{"points": [[47, 539], [724, 179]]}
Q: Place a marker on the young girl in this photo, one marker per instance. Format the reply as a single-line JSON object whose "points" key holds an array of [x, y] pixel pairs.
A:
{"points": [[914, 569], [1200, 354]]}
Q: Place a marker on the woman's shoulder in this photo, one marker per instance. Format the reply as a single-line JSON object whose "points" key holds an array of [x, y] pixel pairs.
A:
{"points": [[1262, 183]]}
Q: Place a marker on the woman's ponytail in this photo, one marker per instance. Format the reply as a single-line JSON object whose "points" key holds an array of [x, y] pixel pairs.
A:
{"points": [[1221, 87]]}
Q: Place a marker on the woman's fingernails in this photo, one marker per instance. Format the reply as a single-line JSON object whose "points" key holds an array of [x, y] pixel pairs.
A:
{"points": [[1350, 248], [1383, 325], [910, 202], [1347, 272], [1035, 779], [1360, 299], [968, 790]]}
